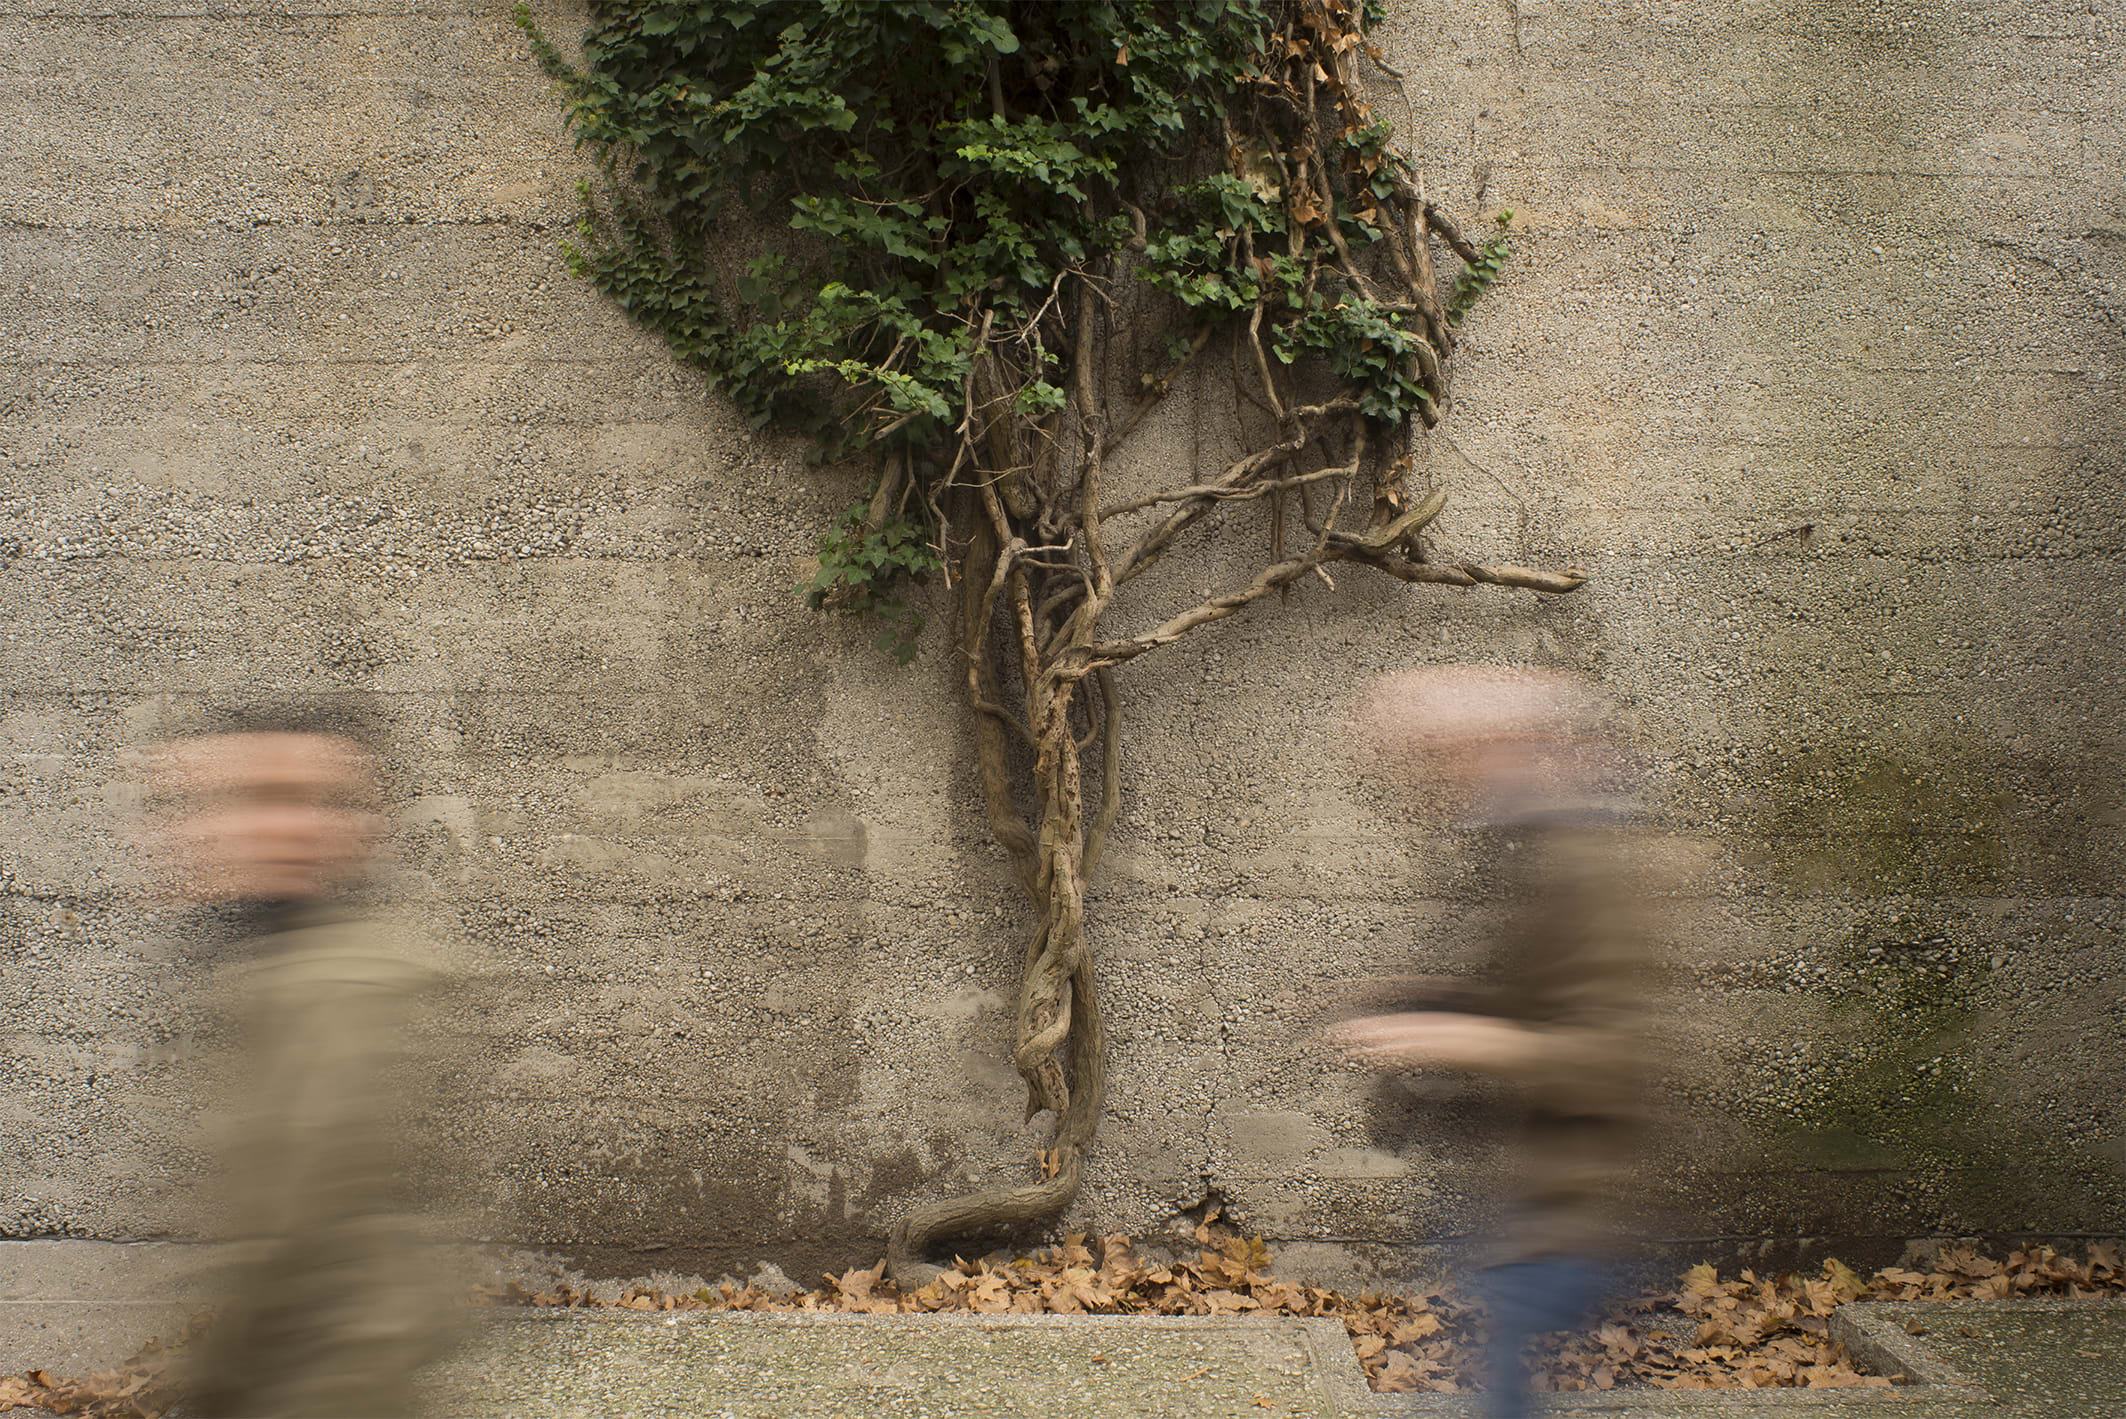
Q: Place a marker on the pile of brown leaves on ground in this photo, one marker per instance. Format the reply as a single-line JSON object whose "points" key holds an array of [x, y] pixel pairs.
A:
{"points": [[132, 1391], [1762, 1332], [1404, 1342], [1751, 1332]]}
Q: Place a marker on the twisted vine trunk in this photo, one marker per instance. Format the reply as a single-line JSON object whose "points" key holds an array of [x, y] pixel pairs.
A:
{"points": [[1039, 678], [1060, 1046], [1037, 571]]}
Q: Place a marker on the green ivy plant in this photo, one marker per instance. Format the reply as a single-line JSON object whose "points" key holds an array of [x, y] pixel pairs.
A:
{"points": [[972, 244], [1481, 272]]}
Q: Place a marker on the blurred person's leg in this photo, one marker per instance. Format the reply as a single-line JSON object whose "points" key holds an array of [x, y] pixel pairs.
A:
{"points": [[332, 1325], [1527, 1299]]}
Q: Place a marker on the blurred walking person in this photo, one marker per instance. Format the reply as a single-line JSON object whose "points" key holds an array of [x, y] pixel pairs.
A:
{"points": [[329, 1306], [1561, 1008]]}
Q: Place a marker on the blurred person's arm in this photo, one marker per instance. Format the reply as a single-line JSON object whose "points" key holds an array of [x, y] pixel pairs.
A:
{"points": [[1475, 1044], [1575, 993]]}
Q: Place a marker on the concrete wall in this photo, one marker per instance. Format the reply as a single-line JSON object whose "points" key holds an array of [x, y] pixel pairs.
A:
{"points": [[1806, 352]]}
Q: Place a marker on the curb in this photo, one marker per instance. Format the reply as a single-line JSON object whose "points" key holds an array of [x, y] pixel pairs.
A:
{"points": [[1875, 1334]]}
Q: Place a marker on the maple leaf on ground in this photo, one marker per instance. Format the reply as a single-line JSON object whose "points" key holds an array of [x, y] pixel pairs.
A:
{"points": [[1418, 1327], [1618, 1340], [1399, 1375]]}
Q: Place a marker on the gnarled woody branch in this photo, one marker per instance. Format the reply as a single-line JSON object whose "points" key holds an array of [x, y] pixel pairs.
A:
{"points": [[1372, 549], [1060, 1046], [1038, 576], [1306, 423], [1060, 1033]]}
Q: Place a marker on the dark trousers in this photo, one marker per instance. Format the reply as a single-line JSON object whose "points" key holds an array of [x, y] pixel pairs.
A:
{"points": [[1529, 1298]]}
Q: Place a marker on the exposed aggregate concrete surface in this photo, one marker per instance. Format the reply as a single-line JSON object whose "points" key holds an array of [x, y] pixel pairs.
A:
{"points": [[832, 1365], [1807, 352]]}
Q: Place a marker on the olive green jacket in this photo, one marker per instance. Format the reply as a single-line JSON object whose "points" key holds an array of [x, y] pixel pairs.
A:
{"points": [[330, 1302], [1575, 966]]}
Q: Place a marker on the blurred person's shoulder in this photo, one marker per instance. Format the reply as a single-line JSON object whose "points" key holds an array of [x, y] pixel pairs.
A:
{"points": [[387, 946]]}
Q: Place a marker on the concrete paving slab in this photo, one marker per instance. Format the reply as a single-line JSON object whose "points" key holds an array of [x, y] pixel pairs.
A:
{"points": [[75, 1307], [2034, 1359], [567, 1365]]}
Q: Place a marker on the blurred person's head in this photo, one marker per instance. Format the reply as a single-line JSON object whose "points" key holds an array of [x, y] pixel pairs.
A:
{"points": [[276, 805], [1500, 740]]}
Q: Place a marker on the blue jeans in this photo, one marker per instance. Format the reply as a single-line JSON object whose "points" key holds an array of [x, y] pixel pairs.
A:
{"points": [[1527, 1299]]}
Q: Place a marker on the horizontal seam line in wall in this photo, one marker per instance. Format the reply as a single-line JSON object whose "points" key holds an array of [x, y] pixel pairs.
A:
{"points": [[428, 561], [1766, 512], [430, 13], [755, 897], [388, 417], [618, 358], [78, 1301], [315, 224]]}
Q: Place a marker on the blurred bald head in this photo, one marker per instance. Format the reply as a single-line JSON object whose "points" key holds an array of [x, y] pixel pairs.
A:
{"points": [[272, 805], [1501, 734]]}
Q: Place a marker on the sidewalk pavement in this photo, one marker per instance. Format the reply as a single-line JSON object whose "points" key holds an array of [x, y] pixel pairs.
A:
{"points": [[77, 1307], [770, 1365], [2035, 1359]]}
